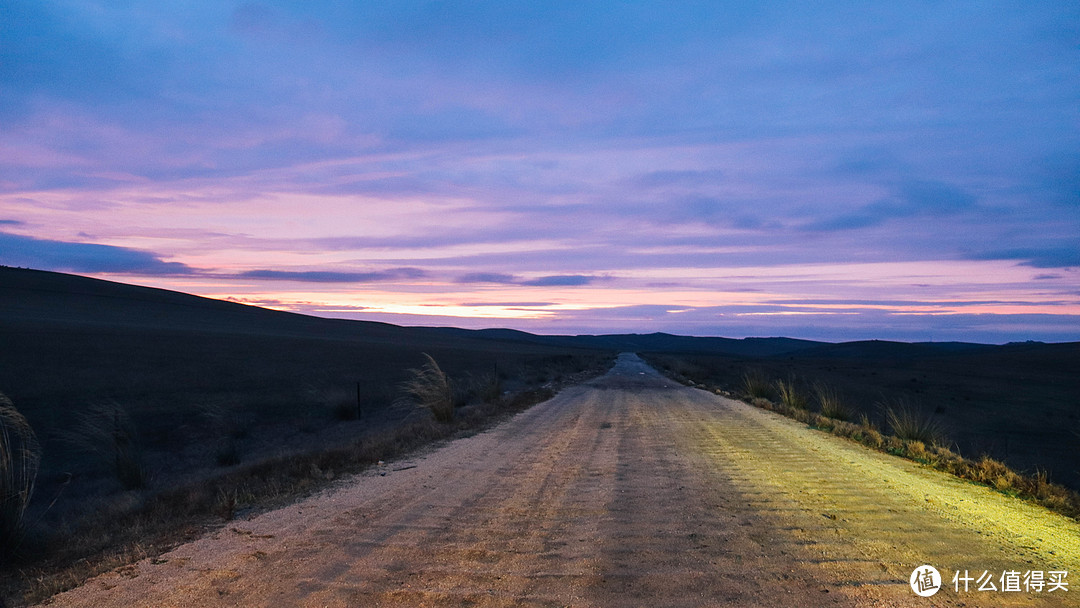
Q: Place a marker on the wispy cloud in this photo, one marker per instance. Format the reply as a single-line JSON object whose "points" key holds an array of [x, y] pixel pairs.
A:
{"points": [[487, 277], [1048, 257], [46, 254], [562, 280], [912, 199], [589, 156], [510, 304], [317, 276]]}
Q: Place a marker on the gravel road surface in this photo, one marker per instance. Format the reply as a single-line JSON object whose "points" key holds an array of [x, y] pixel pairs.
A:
{"points": [[625, 491]]}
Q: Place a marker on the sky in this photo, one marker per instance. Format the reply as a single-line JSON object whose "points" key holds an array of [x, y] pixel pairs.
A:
{"points": [[830, 170]]}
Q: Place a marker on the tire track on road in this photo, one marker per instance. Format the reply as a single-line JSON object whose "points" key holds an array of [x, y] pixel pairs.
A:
{"points": [[624, 491]]}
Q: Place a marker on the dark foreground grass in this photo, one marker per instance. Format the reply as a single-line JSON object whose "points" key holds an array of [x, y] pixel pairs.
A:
{"points": [[20, 456], [149, 524], [923, 442]]}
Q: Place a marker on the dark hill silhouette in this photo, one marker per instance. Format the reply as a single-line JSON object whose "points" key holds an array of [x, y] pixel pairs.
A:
{"points": [[884, 349], [52, 298], [654, 342]]}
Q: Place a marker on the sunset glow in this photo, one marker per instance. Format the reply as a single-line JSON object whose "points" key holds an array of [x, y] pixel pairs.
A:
{"points": [[845, 172]]}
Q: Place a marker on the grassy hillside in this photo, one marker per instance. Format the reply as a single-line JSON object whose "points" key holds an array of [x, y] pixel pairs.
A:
{"points": [[134, 392], [154, 407]]}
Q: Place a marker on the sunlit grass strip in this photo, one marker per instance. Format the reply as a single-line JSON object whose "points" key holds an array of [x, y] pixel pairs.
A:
{"points": [[995, 474], [987, 471]]}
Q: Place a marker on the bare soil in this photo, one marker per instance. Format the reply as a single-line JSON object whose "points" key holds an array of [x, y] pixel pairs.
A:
{"points": [[626, 491]]}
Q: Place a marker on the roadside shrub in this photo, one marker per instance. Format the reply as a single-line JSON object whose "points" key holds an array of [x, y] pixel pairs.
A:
{"points": [[801, 415], [916, 450], [908, 421], [893, 445], [823, 423], [790, 395], [106, 430], [429, 387], [20, 456], [757, 385], [990, 471], [830, 403], [847, 429], [872, 438], [763, 403]]}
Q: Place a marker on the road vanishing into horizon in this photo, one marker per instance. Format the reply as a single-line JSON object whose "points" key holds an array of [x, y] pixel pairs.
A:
{"points": [[628, 490]]}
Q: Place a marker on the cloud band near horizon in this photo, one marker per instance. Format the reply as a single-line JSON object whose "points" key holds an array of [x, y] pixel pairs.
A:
{"points": [[715, 168]]}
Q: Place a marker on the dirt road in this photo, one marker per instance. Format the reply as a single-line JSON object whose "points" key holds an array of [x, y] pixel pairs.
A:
{"points": [[626, 491]]}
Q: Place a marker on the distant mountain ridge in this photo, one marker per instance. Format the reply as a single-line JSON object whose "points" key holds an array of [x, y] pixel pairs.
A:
{"points": [[664, 342], [39, 296]]}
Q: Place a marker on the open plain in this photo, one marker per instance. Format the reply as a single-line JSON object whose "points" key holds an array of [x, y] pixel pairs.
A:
{"points": [[628, 490]]}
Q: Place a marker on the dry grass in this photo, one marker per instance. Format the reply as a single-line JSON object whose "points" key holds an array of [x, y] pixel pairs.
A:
{"points": [[756, 384], [20, 456], [831, 404], [486, 388], [1036, 488], [226, 428], [918, 436], [155, 521], [909, 421], [105, 430], [790, 395], [429, 387]]}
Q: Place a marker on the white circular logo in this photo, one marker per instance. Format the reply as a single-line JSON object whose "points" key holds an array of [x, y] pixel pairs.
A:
{"points": [[925, 581]]}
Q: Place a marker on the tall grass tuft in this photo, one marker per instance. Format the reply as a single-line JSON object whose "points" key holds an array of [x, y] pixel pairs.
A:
{"points": [[429, 387], [831, 404], [910, 422], [756, 384], [490, 388], [20, 456], [107, 431], [226, 428], [790, 394]]}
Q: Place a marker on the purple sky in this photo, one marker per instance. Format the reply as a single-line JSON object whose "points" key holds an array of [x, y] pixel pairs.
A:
{"points": [[844, 171]]}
